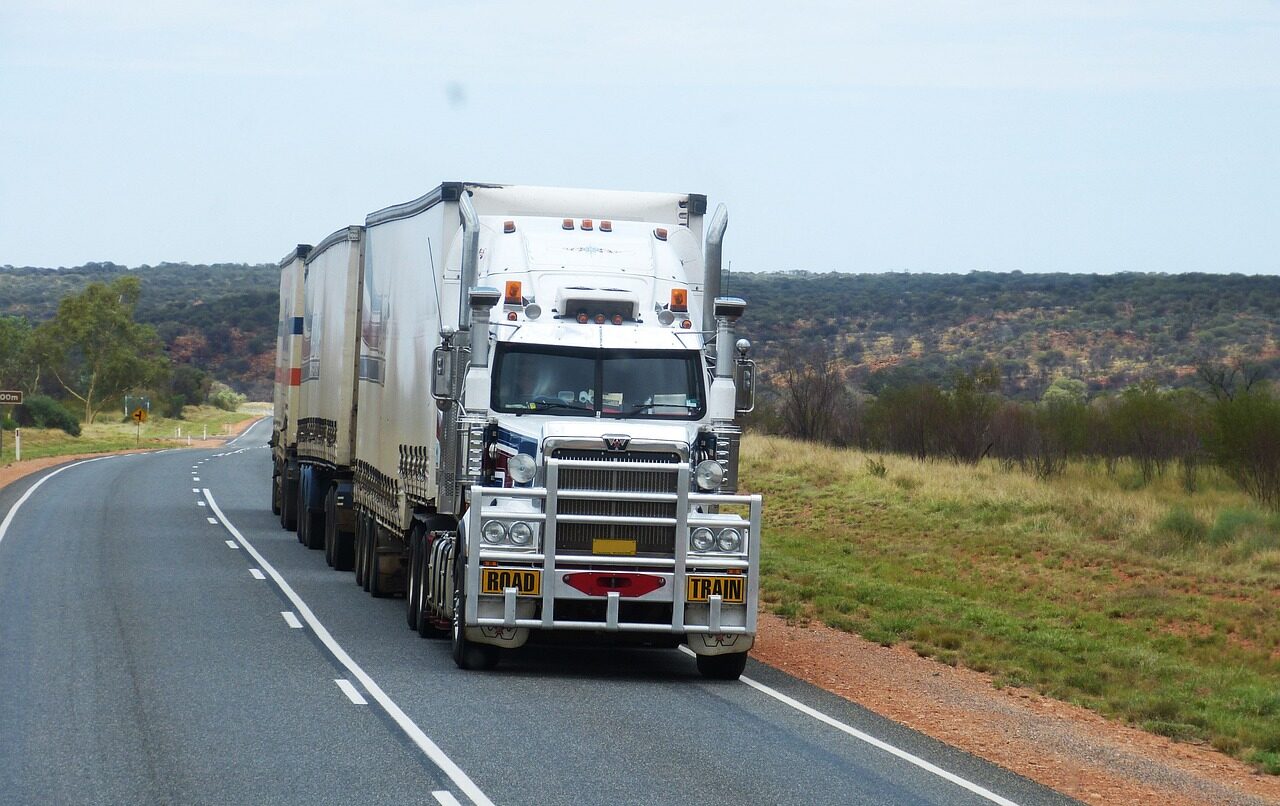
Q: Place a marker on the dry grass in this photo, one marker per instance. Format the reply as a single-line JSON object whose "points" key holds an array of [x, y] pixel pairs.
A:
{"points": [[1143, 602], [112, 434]]}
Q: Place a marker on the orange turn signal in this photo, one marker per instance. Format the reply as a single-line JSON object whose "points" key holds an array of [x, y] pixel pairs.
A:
{"points": [[680, 299], [512, 295]]}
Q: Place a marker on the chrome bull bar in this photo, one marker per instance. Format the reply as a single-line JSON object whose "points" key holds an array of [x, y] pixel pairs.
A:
{"points": [[675, 568]]}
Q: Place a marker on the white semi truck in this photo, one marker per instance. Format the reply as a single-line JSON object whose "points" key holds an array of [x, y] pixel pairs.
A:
{"points": [[518, 407]]}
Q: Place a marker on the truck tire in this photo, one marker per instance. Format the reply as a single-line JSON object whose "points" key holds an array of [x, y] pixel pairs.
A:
{"points": [[288, 503], [315, 521], [358, 562], [413, 590], [275, 493], [330, 526], [466, 654], [722, 667], [300, 508]]}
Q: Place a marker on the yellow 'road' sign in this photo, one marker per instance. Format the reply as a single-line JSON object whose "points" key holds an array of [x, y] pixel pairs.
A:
{"points": [[139, 415]]}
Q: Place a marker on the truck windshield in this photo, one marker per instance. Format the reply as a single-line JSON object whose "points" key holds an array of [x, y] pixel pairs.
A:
{"points": [[649, 384]]}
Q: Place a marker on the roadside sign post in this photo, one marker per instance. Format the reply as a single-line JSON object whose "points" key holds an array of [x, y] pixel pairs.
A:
{"points": [[139, 417], [11, 398]]}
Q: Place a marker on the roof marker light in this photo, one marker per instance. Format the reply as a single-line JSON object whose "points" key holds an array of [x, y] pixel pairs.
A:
{"points": [[512, 296], [660, 233], [680, 299], [567, 224], [606, 226], [599, 319], [617, 318], [508, 227], [586, 224], [582, 317]]}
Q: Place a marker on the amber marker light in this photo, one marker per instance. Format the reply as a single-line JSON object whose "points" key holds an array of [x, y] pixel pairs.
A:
{"points": [[567, 224], [512, 295], [660, 233], [587, 224], [606, 226], [679, 299], [599, 319], [508, 227], [511, 316], [686, 324]]}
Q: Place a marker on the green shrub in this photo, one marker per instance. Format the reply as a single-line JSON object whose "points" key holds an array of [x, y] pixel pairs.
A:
{"points": [[1183, 525], [44, 412], [224, 397]]}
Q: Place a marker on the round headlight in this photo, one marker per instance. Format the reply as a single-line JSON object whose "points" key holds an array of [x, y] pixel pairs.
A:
{"points": [[493, 532], [701, 539], [709, 474], [521, 468], [520, 533], [729, 540]]}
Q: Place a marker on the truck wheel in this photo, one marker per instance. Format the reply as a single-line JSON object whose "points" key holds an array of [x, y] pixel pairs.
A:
{"points": [[467, 654], [275, 493], [315, 521], [300, 512], [330, 526], [358, 561], [288, 503], [413, 590], [722, 667], [375, 581]]}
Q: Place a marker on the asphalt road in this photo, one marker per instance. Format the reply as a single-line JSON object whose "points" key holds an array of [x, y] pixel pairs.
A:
{"points": [[149, 654]]}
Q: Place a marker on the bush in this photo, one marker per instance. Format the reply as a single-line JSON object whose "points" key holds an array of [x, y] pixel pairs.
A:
{"points": [[224, 397], [7, 423], [45, 412]]}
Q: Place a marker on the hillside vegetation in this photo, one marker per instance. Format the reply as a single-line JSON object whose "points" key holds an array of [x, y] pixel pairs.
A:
{"points": [[1138, 600], [1110, 331]]}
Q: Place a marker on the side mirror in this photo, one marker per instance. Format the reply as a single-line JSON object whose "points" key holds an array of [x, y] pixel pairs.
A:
{"points": [[744, 379], [442, 359]]}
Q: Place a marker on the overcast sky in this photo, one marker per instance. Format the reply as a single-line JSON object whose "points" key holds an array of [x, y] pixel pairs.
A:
{"points": [[852, 136]]}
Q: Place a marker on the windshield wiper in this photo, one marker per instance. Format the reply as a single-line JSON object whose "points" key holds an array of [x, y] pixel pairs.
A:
{"points": [[541, 405], [647, 406]]}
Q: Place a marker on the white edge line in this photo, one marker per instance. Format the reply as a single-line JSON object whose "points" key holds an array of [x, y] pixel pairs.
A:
{"points": [[445, 797], [13, 510], [411, 729], [877, 743], [350, 691], [291, 619]]}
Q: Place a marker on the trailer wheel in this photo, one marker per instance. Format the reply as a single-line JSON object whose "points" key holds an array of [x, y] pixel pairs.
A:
{"points": [[330, 526], [358, 564], [288, 503], [413, 590], [722, 667], [376, 583], [315, 522], [275, 492], [467, 654], [300, 511]]}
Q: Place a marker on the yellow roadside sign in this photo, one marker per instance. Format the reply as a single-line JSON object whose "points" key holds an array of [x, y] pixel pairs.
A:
{"points": [[139, 415]]}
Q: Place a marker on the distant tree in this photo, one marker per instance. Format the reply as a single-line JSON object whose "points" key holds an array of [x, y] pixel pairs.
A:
{"points": [[971, 407], [95, 350], [816, 404], [16, 367], [1246, 442]]}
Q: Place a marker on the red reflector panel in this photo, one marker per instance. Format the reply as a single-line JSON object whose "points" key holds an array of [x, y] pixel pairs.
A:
{"points": [[601, 583], [295, 376]]}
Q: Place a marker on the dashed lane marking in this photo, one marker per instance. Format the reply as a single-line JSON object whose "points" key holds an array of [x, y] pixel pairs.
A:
{"points": [[291, 619], [415, 734], [256, 574]]}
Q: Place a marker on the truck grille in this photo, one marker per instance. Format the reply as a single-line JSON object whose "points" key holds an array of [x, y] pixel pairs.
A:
{"points": [[576, 538]]}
